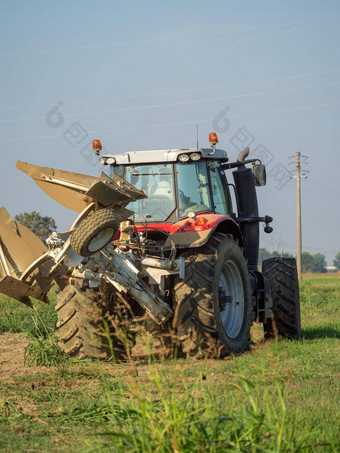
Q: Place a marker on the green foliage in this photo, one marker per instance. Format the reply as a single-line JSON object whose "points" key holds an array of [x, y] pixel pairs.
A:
{"points": [[336, 261], [313, 263], [264, 254], [310, 263], [17, 317], [319, 298], [43, 350], [194, 419], [39, 326], [41, 226]]}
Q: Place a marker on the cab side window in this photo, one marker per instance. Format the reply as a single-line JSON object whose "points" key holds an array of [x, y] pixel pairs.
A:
{"points": [[219, 189]]}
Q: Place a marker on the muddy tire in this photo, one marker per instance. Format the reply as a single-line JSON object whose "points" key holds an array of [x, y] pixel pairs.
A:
{"points": [[94, 232], [91, 326], [283, 279], [213, 304]]}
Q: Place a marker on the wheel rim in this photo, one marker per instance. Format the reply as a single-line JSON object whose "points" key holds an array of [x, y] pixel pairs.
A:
{"points": [[231, 299], [100, 239]]}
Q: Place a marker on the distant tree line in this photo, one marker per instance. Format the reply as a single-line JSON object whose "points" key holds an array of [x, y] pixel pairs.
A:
{"points": [[336, 261], [313, 263], [42, 226], [310, 263], [264, 254]]}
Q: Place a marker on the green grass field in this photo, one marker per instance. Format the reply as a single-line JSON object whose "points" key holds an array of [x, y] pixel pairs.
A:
{"points": [[278, 397]]}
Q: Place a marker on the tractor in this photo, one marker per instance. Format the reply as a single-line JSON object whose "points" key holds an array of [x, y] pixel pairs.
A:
{"points": [[162, 239]]}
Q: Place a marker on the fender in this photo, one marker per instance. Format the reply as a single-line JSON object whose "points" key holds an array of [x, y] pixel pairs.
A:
{"points": [[191, 233]]}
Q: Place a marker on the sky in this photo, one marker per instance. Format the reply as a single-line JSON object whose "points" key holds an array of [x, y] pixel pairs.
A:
{"points": [[141, 75]]}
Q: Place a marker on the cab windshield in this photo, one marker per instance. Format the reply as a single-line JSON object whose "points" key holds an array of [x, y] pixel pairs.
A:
{"points": [[157, 182], [193, 188]]}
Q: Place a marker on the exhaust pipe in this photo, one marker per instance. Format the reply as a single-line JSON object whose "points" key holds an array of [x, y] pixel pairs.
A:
{"points": [[248, 208]]}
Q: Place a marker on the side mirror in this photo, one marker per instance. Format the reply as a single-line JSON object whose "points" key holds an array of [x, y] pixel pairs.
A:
{"points": [[260, 175]]}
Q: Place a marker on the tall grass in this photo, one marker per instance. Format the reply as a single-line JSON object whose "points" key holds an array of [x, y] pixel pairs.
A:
{"points": [[320, 310], [183, 416], [43, 348], [38, 323], [280, 397], [17, 317], [319, 298]]}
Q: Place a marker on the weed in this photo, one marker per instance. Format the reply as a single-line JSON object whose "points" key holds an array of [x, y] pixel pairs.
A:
{"points": [[44, 351], [43, 348]]}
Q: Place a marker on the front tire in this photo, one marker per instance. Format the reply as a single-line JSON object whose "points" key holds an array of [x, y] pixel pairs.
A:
{"points": [[213, 304]]}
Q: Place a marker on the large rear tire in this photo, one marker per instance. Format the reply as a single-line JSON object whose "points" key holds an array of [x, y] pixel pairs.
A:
{"points": [[284, 285], [91, 325], [213, 304]]}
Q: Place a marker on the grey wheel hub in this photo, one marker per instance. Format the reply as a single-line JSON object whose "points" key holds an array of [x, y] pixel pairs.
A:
{"points": [[100, 239], [231, 299]]}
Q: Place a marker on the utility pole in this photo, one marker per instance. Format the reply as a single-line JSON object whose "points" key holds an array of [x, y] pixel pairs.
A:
{"points": [[298, 177], [298, 215]]}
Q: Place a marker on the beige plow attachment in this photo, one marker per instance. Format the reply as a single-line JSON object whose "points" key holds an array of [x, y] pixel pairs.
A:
{"points": [[27, 267], [24, 262], [76, 191]]}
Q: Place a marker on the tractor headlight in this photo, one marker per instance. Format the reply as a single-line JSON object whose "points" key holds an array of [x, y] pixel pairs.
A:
{"points": [[195, 156], [183, 157], [103, 161], [110, 161]]}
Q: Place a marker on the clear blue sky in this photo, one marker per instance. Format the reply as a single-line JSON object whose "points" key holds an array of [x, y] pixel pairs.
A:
{"points": [[140, 75]]}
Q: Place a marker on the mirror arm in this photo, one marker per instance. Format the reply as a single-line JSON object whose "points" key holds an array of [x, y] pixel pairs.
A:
{"points": [[240, 164]]}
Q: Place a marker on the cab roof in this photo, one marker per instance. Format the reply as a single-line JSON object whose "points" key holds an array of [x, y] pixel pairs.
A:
{"points": [[164, 155]]}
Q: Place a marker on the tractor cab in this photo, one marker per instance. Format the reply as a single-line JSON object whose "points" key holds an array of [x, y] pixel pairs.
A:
{"points": [[177, 182]]}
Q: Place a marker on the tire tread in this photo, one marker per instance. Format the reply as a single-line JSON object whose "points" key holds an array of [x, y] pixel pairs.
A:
{"points": [[285, 321]]}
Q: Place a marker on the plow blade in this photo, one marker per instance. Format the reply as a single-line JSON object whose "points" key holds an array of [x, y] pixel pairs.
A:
{"points": [[26, 269], [19, 246], [76, 191], [16, 289]]}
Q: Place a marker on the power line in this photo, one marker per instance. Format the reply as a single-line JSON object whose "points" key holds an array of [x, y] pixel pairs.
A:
{"points": [[180, 123], [331, 194], [292, 246], [168, 38], [164, 93], [329, 190], [305, 247], [176, 104]]}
